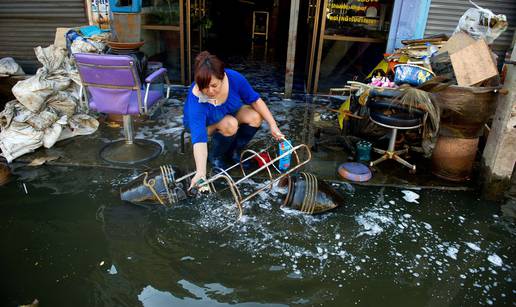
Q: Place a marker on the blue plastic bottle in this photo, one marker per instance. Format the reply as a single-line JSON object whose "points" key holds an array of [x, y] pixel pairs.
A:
{"points": [[284, 162]]}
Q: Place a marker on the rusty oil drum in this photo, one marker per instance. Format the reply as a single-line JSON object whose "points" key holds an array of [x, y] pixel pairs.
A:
{"points": [[126, 27], [452, 158], [465, 110]]}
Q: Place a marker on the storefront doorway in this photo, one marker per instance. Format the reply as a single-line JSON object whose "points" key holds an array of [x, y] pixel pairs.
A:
{"points": [[336, 40], [347, 40], [225, 28]]}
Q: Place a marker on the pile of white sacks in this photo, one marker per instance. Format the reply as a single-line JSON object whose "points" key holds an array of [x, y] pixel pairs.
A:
{"points": [[47, 108]]}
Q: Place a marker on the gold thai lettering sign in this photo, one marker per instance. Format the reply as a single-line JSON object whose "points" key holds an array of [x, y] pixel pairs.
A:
{"points": [[363, 12]]}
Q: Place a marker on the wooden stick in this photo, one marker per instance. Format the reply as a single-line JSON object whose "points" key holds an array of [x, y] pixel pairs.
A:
{"points": [[346, 113]]}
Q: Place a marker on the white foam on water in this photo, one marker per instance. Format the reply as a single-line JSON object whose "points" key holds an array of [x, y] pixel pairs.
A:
{"points": [[372, 222], [473, 246], [452, 252], [495, 259]]}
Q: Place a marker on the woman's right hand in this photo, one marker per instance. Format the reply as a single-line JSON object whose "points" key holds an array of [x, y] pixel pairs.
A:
{"points": [[198, 176]]}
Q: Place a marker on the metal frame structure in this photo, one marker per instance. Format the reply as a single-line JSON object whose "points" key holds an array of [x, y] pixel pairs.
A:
{"points": [[233, 184]]}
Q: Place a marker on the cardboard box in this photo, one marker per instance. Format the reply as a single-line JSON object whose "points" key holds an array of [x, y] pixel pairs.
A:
{"points": [[473, 64], [458, 41], [60, 40]]}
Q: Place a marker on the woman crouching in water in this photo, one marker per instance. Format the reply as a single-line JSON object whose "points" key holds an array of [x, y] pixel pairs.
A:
{"points": [[222, 104]]}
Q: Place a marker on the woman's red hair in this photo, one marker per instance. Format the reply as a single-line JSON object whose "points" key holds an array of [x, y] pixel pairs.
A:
{"points": [[206, 65]]}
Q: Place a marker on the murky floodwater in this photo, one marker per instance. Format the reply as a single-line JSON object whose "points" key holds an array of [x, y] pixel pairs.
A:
{"points": [[70, 242]]}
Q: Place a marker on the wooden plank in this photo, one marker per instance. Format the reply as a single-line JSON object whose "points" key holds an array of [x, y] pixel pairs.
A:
{"points": [[313, 47], [161, 27], [291, 51], [182, 40], [473, 64], [319, 50]]}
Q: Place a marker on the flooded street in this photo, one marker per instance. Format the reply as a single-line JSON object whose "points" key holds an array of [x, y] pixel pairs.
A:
{"points": [[68, 240], [71, 241]]}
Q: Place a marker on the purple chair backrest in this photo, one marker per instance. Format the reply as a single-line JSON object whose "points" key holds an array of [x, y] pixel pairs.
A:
{"points": [[110, 79]]}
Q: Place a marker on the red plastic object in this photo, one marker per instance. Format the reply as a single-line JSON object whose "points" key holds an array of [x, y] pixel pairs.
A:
{"points": [[265, 156]]}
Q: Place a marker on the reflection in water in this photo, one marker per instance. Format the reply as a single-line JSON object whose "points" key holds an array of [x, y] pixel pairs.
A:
{"points": [[151, 297]]}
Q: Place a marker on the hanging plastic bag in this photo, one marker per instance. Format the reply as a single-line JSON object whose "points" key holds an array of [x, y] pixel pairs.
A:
{"points": [[482, 23]]}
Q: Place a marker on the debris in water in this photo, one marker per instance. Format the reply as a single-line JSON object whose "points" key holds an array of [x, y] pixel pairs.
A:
{"points": [[112, 270], [34, 303], [43, 160], [410, 196]]}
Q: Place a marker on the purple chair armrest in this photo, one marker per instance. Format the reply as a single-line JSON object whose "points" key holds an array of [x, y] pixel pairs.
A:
{"points": [[155, 74]]}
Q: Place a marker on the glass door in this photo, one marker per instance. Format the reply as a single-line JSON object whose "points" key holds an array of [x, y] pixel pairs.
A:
{"points": [[312, 24], [197, 25], [164, 32], [351, 42]]}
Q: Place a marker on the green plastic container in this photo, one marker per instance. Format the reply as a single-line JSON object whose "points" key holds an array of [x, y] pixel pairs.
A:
{"points": [[363, 151]]}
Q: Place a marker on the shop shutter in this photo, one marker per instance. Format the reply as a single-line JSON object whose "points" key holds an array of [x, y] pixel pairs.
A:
{"points": [[26, 24], [444, 16]]}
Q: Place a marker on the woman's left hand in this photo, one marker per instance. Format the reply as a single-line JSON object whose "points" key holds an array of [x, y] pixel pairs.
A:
{"points": [[276, 133]]}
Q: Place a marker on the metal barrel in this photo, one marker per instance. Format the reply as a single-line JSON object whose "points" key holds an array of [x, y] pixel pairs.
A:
{"points": [[126, 27], [309, 194], [156, 186]]}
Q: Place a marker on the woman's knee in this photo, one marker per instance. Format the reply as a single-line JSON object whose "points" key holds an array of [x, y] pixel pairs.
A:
{"points": [[228, 126], [252, 118]]}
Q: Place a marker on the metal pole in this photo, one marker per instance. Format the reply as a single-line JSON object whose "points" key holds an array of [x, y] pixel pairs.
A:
{"points": [[291, 51], [128, 129]]}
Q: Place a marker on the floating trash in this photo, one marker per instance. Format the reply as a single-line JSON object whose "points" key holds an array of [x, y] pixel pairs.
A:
{"points": [[306, 193]]}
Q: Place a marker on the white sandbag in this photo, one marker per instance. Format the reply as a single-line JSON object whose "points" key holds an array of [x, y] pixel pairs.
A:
{"points": [[8, 66], [33, 91], [53, 58], [21, 113], [52, 135], [7, 115], [83, 124], [482, 23], [19, 139], [62, 103], [42, 120]]}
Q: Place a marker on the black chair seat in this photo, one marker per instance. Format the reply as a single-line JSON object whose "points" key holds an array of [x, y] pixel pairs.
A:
{"points": [[397, 115]]}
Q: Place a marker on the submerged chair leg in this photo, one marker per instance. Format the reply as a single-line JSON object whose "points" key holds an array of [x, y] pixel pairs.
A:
{"points": [[130, 150]]}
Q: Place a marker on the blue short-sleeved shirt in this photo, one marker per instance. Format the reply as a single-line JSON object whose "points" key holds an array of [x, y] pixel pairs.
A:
{"points": [[198, 115]]}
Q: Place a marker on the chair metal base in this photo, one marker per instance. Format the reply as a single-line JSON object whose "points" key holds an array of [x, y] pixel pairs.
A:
{"points": [[122, 152], [390, 153], [395, 155]]}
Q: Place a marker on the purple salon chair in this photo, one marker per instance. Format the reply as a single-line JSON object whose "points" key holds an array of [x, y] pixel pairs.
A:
{"points": [[113, 86]]}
